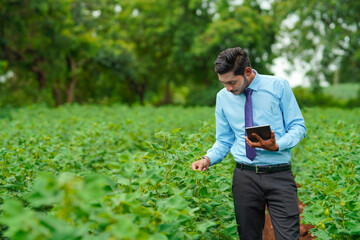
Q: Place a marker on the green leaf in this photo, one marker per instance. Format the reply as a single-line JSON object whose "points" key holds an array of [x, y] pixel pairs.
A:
{"points": [[13, 207], [176, 130], [158, 236], [205, 226], [125, 228], [230, 230], [177, 202], [353, 227]]}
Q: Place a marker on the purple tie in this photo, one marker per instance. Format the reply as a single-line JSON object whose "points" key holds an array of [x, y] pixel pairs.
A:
{"points": [[250, 152]]}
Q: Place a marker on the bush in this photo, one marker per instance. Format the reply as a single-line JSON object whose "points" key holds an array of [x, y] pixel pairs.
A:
{"points": [[306, 97]]}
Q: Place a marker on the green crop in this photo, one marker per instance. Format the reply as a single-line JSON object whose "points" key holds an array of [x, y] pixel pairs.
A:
{"points": [[92, 172], [111, 173], [327, 165]]}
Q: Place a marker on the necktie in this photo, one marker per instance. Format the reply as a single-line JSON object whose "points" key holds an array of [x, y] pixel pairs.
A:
{"points": [[250, 152]]}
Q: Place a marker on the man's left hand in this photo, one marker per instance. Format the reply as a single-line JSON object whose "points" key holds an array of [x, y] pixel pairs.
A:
{"points": [[269, 144]]}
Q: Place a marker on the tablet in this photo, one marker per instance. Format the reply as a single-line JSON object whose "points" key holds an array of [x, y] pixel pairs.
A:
{"points": [[263, 131]]}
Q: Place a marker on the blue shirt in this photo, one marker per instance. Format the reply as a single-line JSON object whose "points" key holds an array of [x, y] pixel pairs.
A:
{"points": [[273, 103]]}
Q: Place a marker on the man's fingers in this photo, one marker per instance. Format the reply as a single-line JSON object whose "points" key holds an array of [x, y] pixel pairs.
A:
{"points": [[257, 137], [272, 135], [265, 144], [203, 166], [252, 144], [199, 165], [194, 166], [248, 141]]}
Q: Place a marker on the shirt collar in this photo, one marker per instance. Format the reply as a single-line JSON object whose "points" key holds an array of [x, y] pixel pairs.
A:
{"points": [[254, 85]]}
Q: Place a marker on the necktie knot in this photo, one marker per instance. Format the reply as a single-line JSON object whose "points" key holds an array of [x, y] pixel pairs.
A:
{"points": [[248, 91]]}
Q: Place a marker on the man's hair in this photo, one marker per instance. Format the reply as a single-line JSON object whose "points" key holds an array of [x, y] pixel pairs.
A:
{"points": [[232, 59]]}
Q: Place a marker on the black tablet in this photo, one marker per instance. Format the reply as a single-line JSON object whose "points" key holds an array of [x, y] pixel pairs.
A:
{"points": [[263, 131]]}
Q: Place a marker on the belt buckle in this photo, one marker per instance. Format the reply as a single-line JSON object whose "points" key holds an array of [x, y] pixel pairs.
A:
{"points": [[257, 170]]}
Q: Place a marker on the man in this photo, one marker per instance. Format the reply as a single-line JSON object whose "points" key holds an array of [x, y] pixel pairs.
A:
{"points": [[263, 173]]}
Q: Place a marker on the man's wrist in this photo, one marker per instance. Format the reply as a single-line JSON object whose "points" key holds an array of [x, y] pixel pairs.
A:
{"points": [[276, 147], [207, 159]]}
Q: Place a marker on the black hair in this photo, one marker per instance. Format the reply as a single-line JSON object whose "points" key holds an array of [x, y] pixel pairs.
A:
{"points": [[232, 59]]}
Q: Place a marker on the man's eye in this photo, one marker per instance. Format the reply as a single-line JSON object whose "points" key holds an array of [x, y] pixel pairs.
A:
{"points": [[229, 83]]}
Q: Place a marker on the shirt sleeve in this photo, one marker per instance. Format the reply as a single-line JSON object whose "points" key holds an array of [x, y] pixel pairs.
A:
{"points": [[224, 136], [293, 120]]}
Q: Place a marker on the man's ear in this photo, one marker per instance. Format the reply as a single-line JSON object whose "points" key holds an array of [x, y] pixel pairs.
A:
{"points": [[248, 71]]}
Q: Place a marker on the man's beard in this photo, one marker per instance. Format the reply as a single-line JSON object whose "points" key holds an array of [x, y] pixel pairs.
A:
{"points": [[237, 92], [245, 85]]}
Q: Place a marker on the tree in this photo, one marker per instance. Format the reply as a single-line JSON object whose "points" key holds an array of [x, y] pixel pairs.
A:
{"points": [[175, 42], [54, 41], [43, 38], [162, 34], [324, 34], [125, 50], [246, 25]]}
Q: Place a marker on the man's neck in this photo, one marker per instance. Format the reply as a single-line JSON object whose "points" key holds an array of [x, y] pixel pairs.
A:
{"points": [[251, 78]]}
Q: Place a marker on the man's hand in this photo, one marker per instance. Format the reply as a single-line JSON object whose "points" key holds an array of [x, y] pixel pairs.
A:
{"points": [[202, 164], [269, 144]]}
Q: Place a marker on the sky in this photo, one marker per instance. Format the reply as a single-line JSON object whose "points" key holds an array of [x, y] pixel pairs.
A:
{"points": [[295, 78]]}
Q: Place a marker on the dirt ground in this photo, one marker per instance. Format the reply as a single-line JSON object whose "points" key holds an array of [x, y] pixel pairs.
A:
{"points": [[268, 232]]}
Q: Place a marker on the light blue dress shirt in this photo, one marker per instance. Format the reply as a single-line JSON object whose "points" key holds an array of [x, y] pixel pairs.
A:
{"points": [[273, 103]]}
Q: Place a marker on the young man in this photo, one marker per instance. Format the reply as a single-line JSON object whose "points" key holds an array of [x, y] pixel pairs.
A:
{"points": [[263, 173]]}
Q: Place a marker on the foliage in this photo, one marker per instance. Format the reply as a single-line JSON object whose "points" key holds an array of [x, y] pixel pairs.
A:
{"points": [[307, 97], [99, 173], [130, 51], [343, 91], [3, 66], [247, 25], [325, 35], [52, 43], [203, 96], [141, 51], [327, 168], [44, 42]]}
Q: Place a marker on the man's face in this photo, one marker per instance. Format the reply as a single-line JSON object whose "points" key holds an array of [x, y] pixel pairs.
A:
{"points": [[234, 83]]}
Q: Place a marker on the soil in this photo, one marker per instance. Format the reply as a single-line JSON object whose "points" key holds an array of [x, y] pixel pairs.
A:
{"points": [[268, 231]]}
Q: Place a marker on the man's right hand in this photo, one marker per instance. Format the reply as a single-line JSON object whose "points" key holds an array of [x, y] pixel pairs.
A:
{"points": [[202, 164]]}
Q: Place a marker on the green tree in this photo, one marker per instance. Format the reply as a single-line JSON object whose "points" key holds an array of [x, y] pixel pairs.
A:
{"points": [[162, 34], [125, 50], [52, 42], [324, 34], [175, 42], [248, 26], [41, 38], [108, 74]]}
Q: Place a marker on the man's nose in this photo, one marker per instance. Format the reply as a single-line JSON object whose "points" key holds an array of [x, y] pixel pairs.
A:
{"points": [[229, 88]]}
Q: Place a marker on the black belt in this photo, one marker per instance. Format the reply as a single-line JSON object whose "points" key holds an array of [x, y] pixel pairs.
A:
{"points": [[264, 169]]}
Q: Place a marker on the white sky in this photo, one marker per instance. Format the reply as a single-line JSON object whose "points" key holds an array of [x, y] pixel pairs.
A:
{"points": [[295, 78]]}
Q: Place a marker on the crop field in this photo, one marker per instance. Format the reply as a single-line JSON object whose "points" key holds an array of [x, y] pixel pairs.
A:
{"points": [[100, 172]]}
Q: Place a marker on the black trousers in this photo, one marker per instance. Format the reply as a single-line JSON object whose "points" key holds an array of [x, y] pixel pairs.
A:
{"points": [[251, 191]]}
